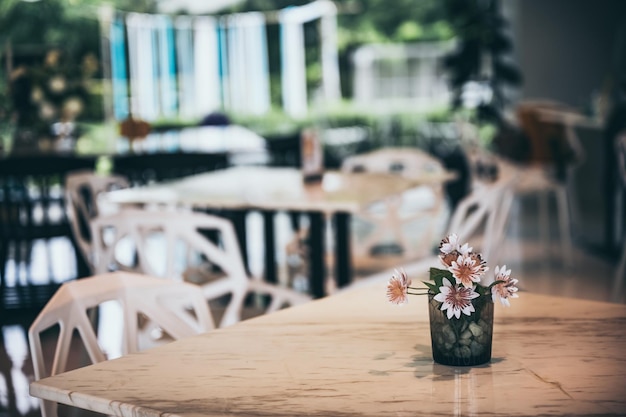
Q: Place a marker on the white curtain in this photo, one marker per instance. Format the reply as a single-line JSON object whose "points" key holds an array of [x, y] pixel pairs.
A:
{"points": [[206, 66], [166, 66], [119, 75], [185, 60], [143, 65], [246, 67], [293, 80], [256, 68]]}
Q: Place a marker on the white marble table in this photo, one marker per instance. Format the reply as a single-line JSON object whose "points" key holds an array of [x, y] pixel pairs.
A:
{"points": [[354, 354], [270, 189]]}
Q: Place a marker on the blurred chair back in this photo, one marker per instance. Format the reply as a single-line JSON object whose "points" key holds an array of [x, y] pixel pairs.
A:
{"points": [[486, 209], [555, 152], [553, 141], [184, 245], [82, 189], [179, 309], [410, 224]]}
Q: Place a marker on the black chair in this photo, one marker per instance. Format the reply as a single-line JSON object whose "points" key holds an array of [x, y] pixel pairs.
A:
{"points": [[32, 207]]}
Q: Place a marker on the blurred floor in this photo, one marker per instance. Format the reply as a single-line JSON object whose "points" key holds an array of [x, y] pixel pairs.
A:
{"points": [[537, 265], [540, 267]]}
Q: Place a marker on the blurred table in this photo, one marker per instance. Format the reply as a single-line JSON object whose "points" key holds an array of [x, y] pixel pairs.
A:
{"points": [[355, 354], [269, 190]]}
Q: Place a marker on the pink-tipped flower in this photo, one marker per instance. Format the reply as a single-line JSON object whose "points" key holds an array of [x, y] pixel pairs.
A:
{"points": [[398, 287], [450, 249], [465, 249], [449, 244], [506, 289], [456, 299], [467, 269]]}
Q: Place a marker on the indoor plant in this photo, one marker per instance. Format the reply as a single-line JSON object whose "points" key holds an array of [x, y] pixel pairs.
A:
{"points": [[461, 302]]}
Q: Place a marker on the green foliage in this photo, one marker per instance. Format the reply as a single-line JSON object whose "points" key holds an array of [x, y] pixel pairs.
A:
{"points": [[49, 41], [483, 45], [436, 276], [379, 21], [359, 22]]}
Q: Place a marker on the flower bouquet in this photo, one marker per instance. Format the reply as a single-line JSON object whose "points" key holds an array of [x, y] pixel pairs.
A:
{"points": [[460, 300]]}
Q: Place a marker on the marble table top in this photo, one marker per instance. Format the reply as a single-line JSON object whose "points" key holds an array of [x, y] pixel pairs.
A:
{"points": [[355, 354], [275, 189]]}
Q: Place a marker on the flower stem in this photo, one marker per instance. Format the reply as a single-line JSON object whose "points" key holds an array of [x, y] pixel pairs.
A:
{"points": [[420, 291]]}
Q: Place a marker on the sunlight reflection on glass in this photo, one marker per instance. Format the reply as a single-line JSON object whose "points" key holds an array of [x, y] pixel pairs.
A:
{"points": [[4, 394], [23, 401], [16, 347], [110, 328]]}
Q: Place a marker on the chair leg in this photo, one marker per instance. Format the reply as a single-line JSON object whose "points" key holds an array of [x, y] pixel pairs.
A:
{"points": [[621, 266], [564, 225], [620, 276], [544, 220], [500, 227]]}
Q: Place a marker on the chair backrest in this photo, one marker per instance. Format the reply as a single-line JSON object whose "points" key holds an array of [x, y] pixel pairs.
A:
{"points": [[488, 204], [179, 309], [81, 194], [402, 161], [550, 128], [410, 223], [183, 245]]}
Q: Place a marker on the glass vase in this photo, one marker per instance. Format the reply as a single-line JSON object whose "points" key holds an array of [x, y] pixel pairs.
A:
{"points": [[465, 341]]}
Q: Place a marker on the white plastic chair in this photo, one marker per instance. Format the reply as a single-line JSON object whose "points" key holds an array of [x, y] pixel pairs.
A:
{"points": [[178, 308], [486, 209], [176, 245], [82, 189], [411, 222], [538, 178]]}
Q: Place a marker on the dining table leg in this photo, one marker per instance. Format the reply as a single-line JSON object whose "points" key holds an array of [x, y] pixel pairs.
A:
{"points": [[270, 246], [238, 218], [317, 265], [343, 258]]}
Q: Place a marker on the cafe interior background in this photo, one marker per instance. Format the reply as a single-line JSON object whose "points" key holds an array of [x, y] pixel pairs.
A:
{"points": [[539, 84]]}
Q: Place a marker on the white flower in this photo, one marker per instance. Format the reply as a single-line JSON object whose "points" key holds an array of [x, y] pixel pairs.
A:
{"points": [[506, 289], [456, 299], [450, 249], [465, 249], [449, 244]]}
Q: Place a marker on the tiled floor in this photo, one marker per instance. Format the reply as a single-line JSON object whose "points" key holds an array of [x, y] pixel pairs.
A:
{"points": [[537, 265]]}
